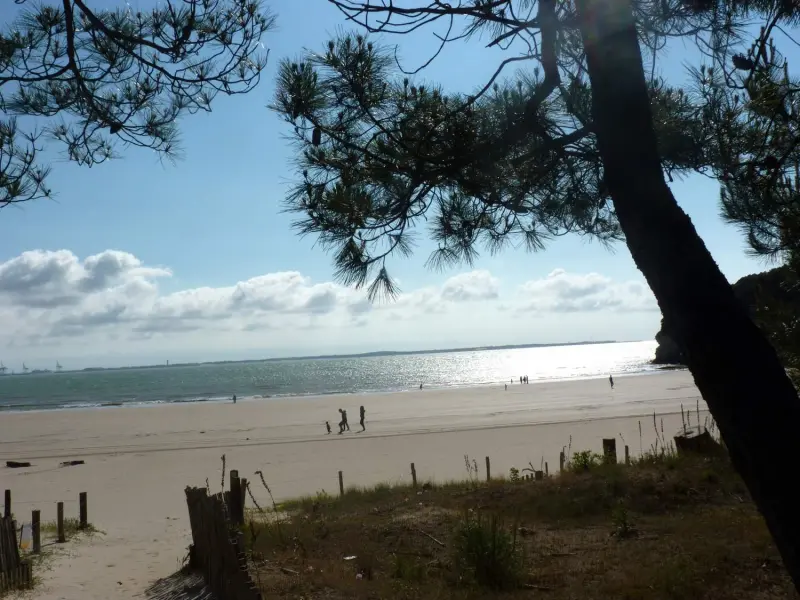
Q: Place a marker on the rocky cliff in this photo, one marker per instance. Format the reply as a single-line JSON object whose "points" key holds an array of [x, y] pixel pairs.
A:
{"points": [[667, 351], [746, 289]]}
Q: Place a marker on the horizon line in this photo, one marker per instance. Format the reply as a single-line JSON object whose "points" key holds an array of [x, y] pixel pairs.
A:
{"points": [[323, 357]]}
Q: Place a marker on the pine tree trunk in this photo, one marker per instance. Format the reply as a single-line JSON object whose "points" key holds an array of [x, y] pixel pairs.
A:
{"points": [[735, 368]]}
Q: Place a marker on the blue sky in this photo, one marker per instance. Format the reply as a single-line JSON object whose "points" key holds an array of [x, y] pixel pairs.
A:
{"points": [[213, 220]]}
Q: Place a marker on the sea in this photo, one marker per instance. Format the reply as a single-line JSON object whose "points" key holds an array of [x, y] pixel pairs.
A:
{"points": [[258, 380]]}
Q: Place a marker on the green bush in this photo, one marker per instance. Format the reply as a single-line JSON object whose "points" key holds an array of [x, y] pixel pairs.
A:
{"points": [[585, 460], [487, 553]]}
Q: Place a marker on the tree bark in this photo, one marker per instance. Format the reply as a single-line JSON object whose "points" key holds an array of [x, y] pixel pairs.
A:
{"points": [[735, 368]]}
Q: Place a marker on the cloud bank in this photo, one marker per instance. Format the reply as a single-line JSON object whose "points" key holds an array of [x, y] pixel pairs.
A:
{"points": [[57, 300]]}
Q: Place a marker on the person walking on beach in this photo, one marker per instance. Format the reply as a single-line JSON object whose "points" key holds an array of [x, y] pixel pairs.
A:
{"points": [[363, 414], [328, 427], [341, 421], [345, 424], [611, 381], [234, 398]]}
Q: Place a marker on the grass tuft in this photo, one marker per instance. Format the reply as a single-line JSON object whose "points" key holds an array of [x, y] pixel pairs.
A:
{"points": [[72, 527], [487, 553]]}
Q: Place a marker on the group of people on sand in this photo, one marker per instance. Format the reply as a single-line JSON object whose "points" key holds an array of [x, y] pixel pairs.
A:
{"points": [[522, 379], [344, 425]]}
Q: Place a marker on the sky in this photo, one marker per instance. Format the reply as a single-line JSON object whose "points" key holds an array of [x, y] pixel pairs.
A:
{"points": [[139, 261]]}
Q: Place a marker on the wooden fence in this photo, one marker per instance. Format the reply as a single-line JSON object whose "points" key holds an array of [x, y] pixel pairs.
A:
{"points": [[15, 573], [217, 549]]}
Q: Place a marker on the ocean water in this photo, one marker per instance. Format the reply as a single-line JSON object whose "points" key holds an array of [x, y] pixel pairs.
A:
{"points": [[304, 377]]}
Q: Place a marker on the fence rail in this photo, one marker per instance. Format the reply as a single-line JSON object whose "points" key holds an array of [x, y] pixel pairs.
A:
{"points": [[217, 549], [15, 573]]}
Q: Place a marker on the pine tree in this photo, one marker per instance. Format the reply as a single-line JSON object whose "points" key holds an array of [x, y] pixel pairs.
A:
{"points": [[582, 142], [98, 78]]}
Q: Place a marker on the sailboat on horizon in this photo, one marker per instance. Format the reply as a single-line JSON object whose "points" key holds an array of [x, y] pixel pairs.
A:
{"points": [[3, 368], [58, 367]]}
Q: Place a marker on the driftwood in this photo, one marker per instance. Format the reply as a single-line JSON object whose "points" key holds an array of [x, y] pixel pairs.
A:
{"points": [[429, 536], [71, 463], [14, 464], [696, 440]]}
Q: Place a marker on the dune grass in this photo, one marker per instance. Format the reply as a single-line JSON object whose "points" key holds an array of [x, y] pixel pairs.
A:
{"points": [[665, 527], [72, 527]]}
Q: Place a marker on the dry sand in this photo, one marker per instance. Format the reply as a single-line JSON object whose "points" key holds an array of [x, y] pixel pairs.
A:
{"points": [[138, 460]]}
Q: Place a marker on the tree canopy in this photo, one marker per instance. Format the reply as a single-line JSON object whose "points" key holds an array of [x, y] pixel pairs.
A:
{"points": [[517, 160], [96, 78], [584, 141]]}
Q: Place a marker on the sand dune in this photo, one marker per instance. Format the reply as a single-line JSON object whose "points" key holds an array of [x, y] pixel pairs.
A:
{"points": [[138, 460]]}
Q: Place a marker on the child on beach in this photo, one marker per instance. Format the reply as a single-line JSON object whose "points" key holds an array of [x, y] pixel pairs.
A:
{"points": [[328, 427], [611, 381]]}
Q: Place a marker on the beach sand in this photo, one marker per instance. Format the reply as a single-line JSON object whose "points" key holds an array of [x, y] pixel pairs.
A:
{"points": [[140, 459]]}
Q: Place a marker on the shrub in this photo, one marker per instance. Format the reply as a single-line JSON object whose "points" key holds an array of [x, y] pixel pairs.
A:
{"points": [[622, 525], [585, 460], [487, 553]]}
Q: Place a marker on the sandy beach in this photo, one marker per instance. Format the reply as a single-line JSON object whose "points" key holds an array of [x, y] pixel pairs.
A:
{"points": [[139, 460]]}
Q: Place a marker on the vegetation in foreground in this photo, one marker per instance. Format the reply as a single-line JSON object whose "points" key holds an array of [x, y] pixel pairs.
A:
{"points": [[666, 527]]}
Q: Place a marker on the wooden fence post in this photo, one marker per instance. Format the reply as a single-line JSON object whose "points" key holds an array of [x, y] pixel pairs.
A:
{"points": [[414, 475], [36, 531], [234, 479], [60, 522], [341, 484], [84, 511], [488, 470], [561, 462], [627, 455], [610, 450], [546, 470], [7, 505], [236, 509]]}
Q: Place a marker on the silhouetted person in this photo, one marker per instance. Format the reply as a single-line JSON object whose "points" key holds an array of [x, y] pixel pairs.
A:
{"points": [[363, 414], [506, 387], [234, 398], [341, 421], [611, 381], [520, 378], [345, 424], [328, 427], [420, 386]]}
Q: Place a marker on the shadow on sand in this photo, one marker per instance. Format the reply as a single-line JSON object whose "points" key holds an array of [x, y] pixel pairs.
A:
{"points": [[179, 586]]}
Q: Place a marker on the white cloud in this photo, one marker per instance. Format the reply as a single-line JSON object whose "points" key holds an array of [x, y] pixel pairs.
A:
{"points": [[53, 279], [570, 292], [54, 303], [475, 285]]}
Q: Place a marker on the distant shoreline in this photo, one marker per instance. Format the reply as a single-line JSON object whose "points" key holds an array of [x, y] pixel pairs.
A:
{"points": [[379, 353], [89, 406]]}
